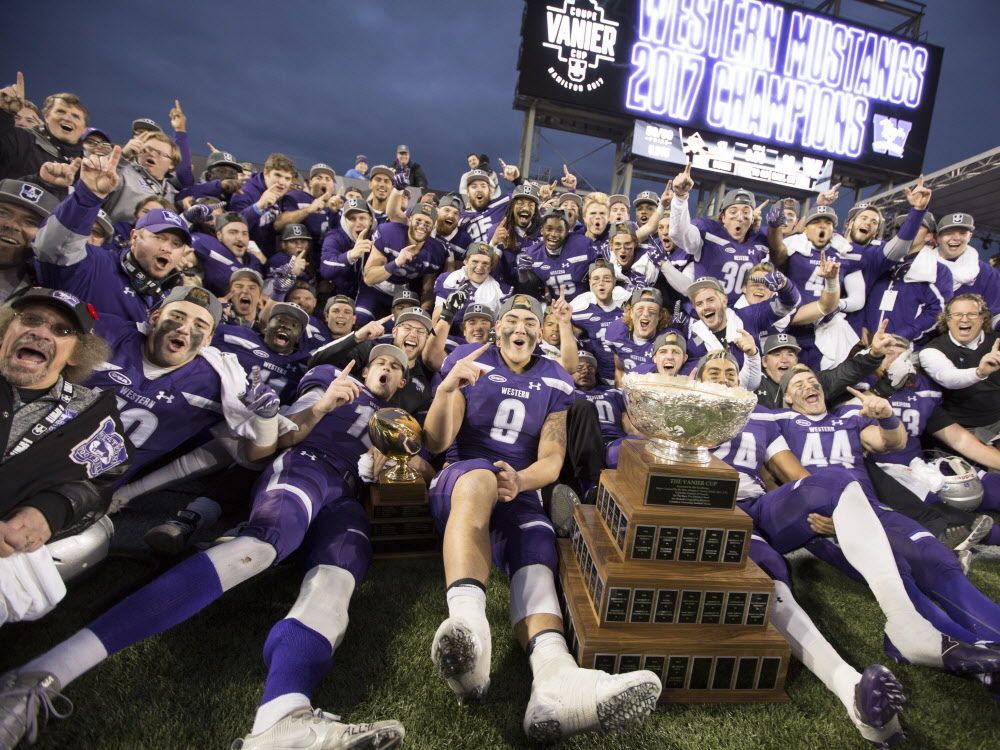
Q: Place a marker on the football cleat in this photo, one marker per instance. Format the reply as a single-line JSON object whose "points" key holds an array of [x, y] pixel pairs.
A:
{"points": [[956, 656], [22, 697], [588, 700], [878, 696], [458, 655], [170, 538], [959, 538], [314, 729], [564, 500]]}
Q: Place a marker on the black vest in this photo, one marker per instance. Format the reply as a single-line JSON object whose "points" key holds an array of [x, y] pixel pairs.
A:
{"points": [[979, 404]]}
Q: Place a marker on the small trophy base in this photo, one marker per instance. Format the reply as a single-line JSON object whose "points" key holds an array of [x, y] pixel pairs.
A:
{"points": [[401, 523]]}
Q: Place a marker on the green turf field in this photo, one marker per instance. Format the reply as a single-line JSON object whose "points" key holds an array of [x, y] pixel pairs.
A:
{"points": [[197, 686]]}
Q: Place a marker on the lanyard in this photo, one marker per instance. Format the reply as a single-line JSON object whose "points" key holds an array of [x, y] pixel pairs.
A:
{"points": [[139, 279], [45, 423]]}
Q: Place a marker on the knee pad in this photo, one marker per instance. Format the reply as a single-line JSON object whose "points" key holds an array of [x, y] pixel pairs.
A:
{"points": [[77, 554], [322, 603], [241, 559], [533, 592]]}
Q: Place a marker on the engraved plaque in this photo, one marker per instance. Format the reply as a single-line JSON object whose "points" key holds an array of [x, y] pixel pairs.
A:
{"points": [[677, 669], [711, 613], [711, 550], [666, 603], [642, 542], [757, 612], [735, 542], [690, 604], [736, 605], [642, 605], [690, 541], [666, 544]]}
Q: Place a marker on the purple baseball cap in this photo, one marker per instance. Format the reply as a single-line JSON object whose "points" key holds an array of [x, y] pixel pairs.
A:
{"points": [[161, 220]]}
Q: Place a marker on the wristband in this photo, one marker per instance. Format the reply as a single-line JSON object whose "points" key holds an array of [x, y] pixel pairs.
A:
{"points": [[831, 285], [889, 423], [265, 431], [391, 267]]}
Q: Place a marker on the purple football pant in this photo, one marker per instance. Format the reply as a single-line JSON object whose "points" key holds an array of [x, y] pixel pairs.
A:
{"points": [[302, 498], [769, 560], [520, 531], [371, 305], [933, 578]]}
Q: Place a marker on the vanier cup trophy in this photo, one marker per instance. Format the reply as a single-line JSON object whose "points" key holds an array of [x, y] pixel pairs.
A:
{"points": [[656, 575], [401, 524]]}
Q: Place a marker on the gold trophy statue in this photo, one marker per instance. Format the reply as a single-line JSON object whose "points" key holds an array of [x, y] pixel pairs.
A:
{"points": [[397, 435]]}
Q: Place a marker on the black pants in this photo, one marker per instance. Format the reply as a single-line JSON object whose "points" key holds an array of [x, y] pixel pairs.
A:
{"points": [[935, 517], [584, 445]]}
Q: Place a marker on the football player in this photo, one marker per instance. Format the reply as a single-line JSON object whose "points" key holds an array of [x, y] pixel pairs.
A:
{"points": [[822, 438], [306, 497], [500, 412]]}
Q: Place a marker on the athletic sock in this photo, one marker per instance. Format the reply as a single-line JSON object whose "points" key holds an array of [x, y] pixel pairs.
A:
{"points": [[297, 658], [78, 654], [467, 602], [863, 542], [811, 648]]}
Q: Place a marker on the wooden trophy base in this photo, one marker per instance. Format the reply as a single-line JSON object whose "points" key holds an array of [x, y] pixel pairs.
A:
{"points": [[655, 594], [657, 481], [668, 533], [401, 523], [695, 664]]}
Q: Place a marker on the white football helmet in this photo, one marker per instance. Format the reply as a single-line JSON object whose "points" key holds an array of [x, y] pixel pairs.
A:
{"points": [[963, 489]]}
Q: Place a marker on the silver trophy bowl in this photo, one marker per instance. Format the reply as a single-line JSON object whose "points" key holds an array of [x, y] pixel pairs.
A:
{"points": [[684, 418]]}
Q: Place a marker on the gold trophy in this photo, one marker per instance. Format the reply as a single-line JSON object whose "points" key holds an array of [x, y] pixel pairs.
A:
{"points": [[396, 434]]}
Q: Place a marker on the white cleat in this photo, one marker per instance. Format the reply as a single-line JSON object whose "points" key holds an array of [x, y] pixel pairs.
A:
{"points": [[23, 696], [462, 659], [313, 729], [589, 700]]}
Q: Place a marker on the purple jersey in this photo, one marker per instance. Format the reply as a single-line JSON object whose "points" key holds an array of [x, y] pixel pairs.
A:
{"points": [[480, 225], [567, 271], [833, 439], [592, 318], [757, 444], [390, 238], [909, 297], [803, 266], [755, 319], [158, 413], [631, 351], [336, 267], [725, 259], [342, 435], [280, 371], [456, 244], [218, 262], [986, 283], [610, 405], [918, 406], [504, 410]]}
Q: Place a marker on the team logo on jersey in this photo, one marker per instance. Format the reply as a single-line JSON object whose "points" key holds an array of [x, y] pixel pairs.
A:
{"points": [[889, 135], [497, 378], [31, 193], [535, 386], [582, 38], [119, 378], [164, 396], [803, 423], [261, 353], [100, 451]]}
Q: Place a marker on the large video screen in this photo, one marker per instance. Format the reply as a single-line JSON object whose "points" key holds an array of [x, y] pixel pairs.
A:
{"points": [[767, 71]]}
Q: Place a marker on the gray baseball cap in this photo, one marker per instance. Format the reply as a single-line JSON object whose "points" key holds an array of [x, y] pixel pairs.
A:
{"points": [[418, 314], [821, 212], [197, 295], [478, 310], [571, 197], [951, 221], [584, 355], [405, 295], [29, 195], [390, 350], [454, 200], [646, 196], [341, 299], [522, 302], [779, 341], [672, 338], [222, 158], [646, 294], [290, 308], [526, 190], [738, 197], [247, 273], [705, 282], [617, 198], [321, 167], [380, 169], [476, 174]]}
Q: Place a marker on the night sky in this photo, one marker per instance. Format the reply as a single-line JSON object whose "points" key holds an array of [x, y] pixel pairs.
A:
{"points": [[325, 80]]}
